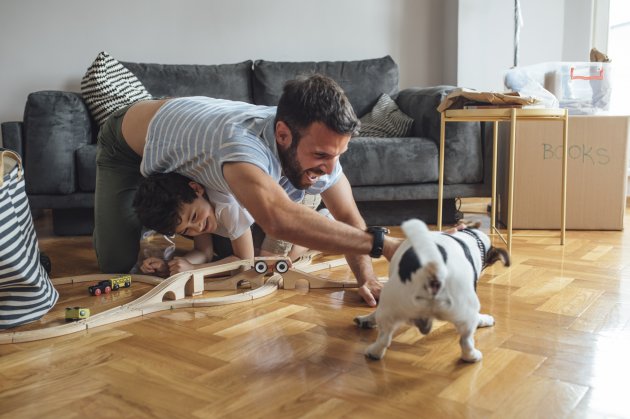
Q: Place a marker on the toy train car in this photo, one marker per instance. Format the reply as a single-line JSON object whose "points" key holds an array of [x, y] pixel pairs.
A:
{"points": [[264, 265], [77, 313], [106, 286]]}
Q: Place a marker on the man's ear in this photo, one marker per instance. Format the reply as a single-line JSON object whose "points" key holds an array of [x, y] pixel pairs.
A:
{"points": [[283, 134], [199, 190]]}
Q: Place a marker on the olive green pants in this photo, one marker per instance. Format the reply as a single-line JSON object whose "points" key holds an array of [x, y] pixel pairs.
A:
{"points": [[116, 227]]}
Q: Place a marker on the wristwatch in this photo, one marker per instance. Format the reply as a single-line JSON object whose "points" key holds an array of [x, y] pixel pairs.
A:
{"points": [[379, 238]]}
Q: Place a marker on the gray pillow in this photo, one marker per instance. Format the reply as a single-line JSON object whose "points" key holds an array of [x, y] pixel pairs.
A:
{"points": [[386, 120]]}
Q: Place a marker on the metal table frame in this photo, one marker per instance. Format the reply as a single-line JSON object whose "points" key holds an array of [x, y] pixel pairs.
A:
{"points": [[513, 115]]}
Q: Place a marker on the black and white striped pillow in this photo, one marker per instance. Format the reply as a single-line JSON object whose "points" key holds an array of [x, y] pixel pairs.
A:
{"points": [[108, 86], [386, 120]]}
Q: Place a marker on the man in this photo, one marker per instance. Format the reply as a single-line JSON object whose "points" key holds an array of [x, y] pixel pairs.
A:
{"points": [[246, 151]]}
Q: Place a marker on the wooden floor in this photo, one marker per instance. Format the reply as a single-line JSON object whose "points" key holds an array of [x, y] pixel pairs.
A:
{"points": [[560, 348]]}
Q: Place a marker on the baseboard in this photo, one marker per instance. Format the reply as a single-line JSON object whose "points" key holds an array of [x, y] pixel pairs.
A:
{"points": [[393, 213]]}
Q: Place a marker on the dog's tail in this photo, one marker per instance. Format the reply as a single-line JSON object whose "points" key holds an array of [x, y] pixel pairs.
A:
{"points": [[420, 237]]}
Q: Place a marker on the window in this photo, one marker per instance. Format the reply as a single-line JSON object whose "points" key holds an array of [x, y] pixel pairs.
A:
{"points": [[618, 36]]}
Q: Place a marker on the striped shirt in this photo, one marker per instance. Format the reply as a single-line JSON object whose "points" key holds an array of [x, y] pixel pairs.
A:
{"points": [[195, 136]]}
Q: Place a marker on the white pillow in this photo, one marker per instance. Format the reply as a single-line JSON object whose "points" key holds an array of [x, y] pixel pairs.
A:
{"points": [[108, 86], [385, 120]]}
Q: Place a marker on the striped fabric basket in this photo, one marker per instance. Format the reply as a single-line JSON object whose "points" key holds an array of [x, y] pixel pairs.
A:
{"points": [[26, 292]]}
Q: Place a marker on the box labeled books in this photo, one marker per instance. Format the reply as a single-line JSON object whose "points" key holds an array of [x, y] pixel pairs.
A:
{"points": [[597, 173]]}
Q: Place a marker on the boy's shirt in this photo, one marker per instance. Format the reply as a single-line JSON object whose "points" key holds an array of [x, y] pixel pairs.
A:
{"points": [[195, 136], [232, 219]]}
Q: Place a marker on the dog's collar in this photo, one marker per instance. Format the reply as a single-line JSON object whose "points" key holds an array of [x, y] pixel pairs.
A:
{"points": [[480, 245]]}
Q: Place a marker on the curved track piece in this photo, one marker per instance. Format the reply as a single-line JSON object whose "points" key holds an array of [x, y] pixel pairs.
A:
{"points": [[170, 294]]}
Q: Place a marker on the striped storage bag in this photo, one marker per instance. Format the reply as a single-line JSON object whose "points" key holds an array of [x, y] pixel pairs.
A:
{"points": [[26, 292]]}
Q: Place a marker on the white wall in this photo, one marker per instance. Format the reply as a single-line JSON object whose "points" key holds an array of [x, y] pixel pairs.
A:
{"points": [[48, 45], [553, 30], [485, 43]]}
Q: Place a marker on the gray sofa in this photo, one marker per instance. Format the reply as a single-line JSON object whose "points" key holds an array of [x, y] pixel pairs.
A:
{"points": [[392, 178]]}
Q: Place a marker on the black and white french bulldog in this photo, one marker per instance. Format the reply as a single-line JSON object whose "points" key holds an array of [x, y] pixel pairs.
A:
{"points": [[434, 275]]}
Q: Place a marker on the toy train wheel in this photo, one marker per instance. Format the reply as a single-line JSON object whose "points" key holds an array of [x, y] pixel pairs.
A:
{"points": [[97, 292], [108, 290], [260, 267], [116, 286], [127, 284], [282, 266]]}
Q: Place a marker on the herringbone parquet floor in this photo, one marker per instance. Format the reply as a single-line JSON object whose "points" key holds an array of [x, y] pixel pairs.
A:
{"points": [[560, 348]]}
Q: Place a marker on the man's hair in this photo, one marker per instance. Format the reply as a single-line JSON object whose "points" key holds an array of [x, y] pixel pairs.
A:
{"points": [[316, 98], [159, 199]]}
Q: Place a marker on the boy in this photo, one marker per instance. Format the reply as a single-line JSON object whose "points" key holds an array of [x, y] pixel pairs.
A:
{"points": [[170, 204]]}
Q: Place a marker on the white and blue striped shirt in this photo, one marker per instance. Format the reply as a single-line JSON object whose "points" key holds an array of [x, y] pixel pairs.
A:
{"points": [[195, 136]]}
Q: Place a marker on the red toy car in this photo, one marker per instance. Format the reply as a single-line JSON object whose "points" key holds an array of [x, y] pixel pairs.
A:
{"points": [[101, 287]]}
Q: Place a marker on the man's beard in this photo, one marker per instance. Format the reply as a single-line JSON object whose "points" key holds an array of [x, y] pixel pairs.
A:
{"points": [[291, 167]]}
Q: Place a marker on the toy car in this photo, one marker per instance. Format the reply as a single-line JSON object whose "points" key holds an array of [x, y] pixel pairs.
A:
{"points": [[100, 288], [77, 313], [107, 285], [267, 264], [121, 281]]}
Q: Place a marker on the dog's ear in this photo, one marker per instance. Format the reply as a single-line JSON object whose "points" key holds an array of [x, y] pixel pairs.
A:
{"points": [[497, 253]]}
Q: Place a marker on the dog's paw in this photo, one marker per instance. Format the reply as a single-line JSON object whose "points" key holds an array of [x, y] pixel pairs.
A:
{"points": [[374, 353], [486, 320], [474, 355], [364, 322]]}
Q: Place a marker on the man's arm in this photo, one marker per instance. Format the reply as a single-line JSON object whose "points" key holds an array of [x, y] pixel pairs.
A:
{"points": [[278, 216], [341, 204], [284, 219]]}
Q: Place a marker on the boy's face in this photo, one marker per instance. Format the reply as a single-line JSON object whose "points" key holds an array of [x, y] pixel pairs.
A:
{"points": [[198, 217]]}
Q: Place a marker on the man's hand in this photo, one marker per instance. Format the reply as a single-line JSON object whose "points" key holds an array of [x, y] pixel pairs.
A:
{"points": [[154, 265], [178, 265], [371, 291]]}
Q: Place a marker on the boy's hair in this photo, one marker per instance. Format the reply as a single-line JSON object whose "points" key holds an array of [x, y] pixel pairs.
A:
{"points": [[159, 199], [316, 98]]}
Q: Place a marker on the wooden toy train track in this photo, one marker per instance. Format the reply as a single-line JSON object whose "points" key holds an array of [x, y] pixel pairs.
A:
{"points": [[184, 290]]}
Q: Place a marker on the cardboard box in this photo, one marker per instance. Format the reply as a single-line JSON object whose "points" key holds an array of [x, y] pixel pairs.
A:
{"points": [[597, 173]]}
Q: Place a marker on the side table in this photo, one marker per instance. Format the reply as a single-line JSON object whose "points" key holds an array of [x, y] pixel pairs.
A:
{"points": [[496, 115]]}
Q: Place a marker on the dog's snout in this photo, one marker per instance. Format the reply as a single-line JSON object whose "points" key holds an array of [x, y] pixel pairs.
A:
{"points": [[434, 285]]}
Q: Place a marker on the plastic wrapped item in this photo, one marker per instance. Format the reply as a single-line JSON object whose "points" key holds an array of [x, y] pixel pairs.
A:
{"points": [[519, 81], [584, 88]]}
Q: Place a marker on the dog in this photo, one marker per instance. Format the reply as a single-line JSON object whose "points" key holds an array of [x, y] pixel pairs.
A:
{"points": [[434, 275]]}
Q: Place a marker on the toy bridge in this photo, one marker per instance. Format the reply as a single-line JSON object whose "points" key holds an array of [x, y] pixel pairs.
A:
{"points": [[185, 290]]}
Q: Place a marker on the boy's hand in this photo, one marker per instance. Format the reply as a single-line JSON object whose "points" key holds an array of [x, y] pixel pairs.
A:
{"points": [[178, 265], [154, 265]]}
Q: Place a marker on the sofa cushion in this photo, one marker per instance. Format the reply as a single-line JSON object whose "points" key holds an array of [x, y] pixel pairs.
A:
{"points": [[224, 81], [392, 161], [55, 125], [363, 81], [463, 156], [86, 167], [385, 120], [108, 86]]}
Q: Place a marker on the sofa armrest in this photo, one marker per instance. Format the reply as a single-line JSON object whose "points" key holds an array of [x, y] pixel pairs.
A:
{"points": [[464, 150], [12, 137], [56, 124]]}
